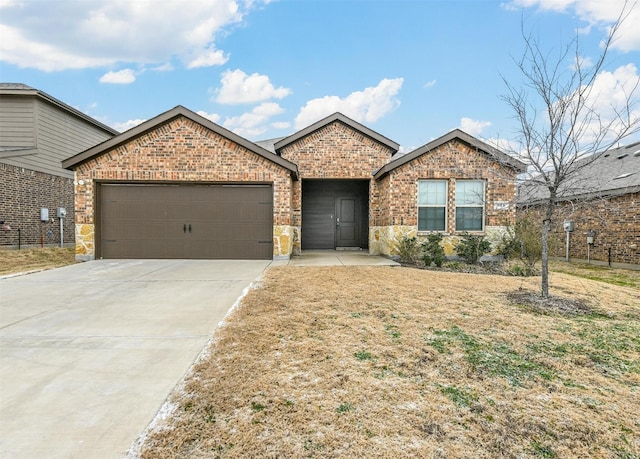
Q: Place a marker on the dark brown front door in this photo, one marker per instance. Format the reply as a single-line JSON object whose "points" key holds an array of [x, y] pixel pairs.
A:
{"points": [[186, 221], [347, 222]]}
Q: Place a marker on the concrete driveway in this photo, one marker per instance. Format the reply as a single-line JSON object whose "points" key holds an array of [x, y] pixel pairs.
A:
{"points": [[89, 352]]}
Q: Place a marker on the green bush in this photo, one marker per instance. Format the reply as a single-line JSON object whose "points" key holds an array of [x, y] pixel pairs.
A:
{"points": [[433, 251], [408, 249], [523, 242], [471, 248], [521, 271]]}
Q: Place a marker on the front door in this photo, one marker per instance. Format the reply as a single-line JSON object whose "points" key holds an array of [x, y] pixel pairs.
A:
{"points": [[347, 222]]}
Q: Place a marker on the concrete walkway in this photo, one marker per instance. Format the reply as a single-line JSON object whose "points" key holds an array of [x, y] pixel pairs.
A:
{"points": [[339, 258], [89, 352]]}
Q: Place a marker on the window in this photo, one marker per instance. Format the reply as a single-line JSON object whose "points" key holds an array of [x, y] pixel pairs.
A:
{"points": [[469, 205], [432, 205]]}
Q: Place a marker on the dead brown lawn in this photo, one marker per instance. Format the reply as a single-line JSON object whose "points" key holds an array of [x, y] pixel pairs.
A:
{"points": [[20, 261], [385, 362]]}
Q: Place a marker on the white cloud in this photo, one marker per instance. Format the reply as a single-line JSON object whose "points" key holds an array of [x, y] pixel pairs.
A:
{"points": [[125, 126], [473, 127], [609, 94], [596, 12], [16, 49], [166, 67], [71, 34], [505, 145], [581, 62], [240, 88], [208, 58], [403, 150], [210, 116], [125, 76], [430, 84], [367, 106], [255, 122], [281, 125]]}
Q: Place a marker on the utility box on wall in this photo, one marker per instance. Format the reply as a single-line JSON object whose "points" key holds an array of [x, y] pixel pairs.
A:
{"points": [[62, 212], [568, 225], [44, 214]]}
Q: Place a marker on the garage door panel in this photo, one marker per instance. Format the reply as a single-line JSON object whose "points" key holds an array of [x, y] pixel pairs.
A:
{"points": [[186, 221]]}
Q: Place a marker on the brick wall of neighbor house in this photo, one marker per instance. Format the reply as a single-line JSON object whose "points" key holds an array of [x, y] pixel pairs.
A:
{"points": [[616, 222], [335, 151], [451, 161], [180, 150], [24, 193]]}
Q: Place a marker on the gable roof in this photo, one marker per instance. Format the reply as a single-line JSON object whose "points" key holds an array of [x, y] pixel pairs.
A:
{"points": [[163, 118], [609, 173], [455, 134], [343, 119], [20, 89]]}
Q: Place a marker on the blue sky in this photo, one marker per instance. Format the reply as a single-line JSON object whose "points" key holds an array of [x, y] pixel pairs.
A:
{"points": [[410, 70]]}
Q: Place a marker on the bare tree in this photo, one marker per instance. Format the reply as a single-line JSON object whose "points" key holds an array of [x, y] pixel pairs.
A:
{"points": [[560, 129]]}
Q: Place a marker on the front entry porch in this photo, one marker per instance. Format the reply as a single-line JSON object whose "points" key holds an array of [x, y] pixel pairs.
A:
{"points": [[335, 214]]}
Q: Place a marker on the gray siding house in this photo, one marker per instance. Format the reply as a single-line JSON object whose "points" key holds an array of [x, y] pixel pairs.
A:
{"points": [[37, 132]]}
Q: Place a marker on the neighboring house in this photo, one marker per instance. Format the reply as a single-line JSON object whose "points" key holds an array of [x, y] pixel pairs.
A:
{"points": [[37, 132], [181, 186], [602, 199]]}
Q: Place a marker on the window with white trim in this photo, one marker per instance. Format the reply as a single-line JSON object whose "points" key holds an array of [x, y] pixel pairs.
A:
{"points": [[470, 205], [432, 205]]}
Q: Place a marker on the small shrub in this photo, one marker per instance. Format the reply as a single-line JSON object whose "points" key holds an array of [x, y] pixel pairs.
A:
{"points": [[433, 251], [408, 249], [523, 242], [454, 265], [522, 271], [471, 248]]}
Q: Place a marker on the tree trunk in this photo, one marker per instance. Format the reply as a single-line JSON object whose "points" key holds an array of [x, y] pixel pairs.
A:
{"points": [[545, 259], [546, 228]]}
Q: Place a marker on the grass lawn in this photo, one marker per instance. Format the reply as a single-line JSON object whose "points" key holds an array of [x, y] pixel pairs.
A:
{"points": [[20, 261], [361, 362], [624, 277]]}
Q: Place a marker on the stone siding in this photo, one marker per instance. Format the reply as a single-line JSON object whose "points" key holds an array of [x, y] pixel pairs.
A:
{"points": [[24, 193], [180, 151], [615, 220], [452, 161], [384, 239]]}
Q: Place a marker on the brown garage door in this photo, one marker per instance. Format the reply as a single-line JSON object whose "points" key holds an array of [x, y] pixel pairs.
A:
{"points": [[186, 221]]}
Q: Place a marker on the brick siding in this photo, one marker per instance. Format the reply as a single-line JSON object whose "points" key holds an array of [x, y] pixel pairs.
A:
{"points": [[181, 151], [451, 161], [184, 151], [336, 151], [24, 193], [616, 222]]}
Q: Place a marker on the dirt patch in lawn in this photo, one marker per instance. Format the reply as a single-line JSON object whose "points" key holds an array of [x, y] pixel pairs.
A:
{"points": [[363, 362], [20, 261]]}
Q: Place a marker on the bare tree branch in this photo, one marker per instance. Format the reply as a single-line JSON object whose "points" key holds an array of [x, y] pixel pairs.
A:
{"points": [[560, 129]]}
